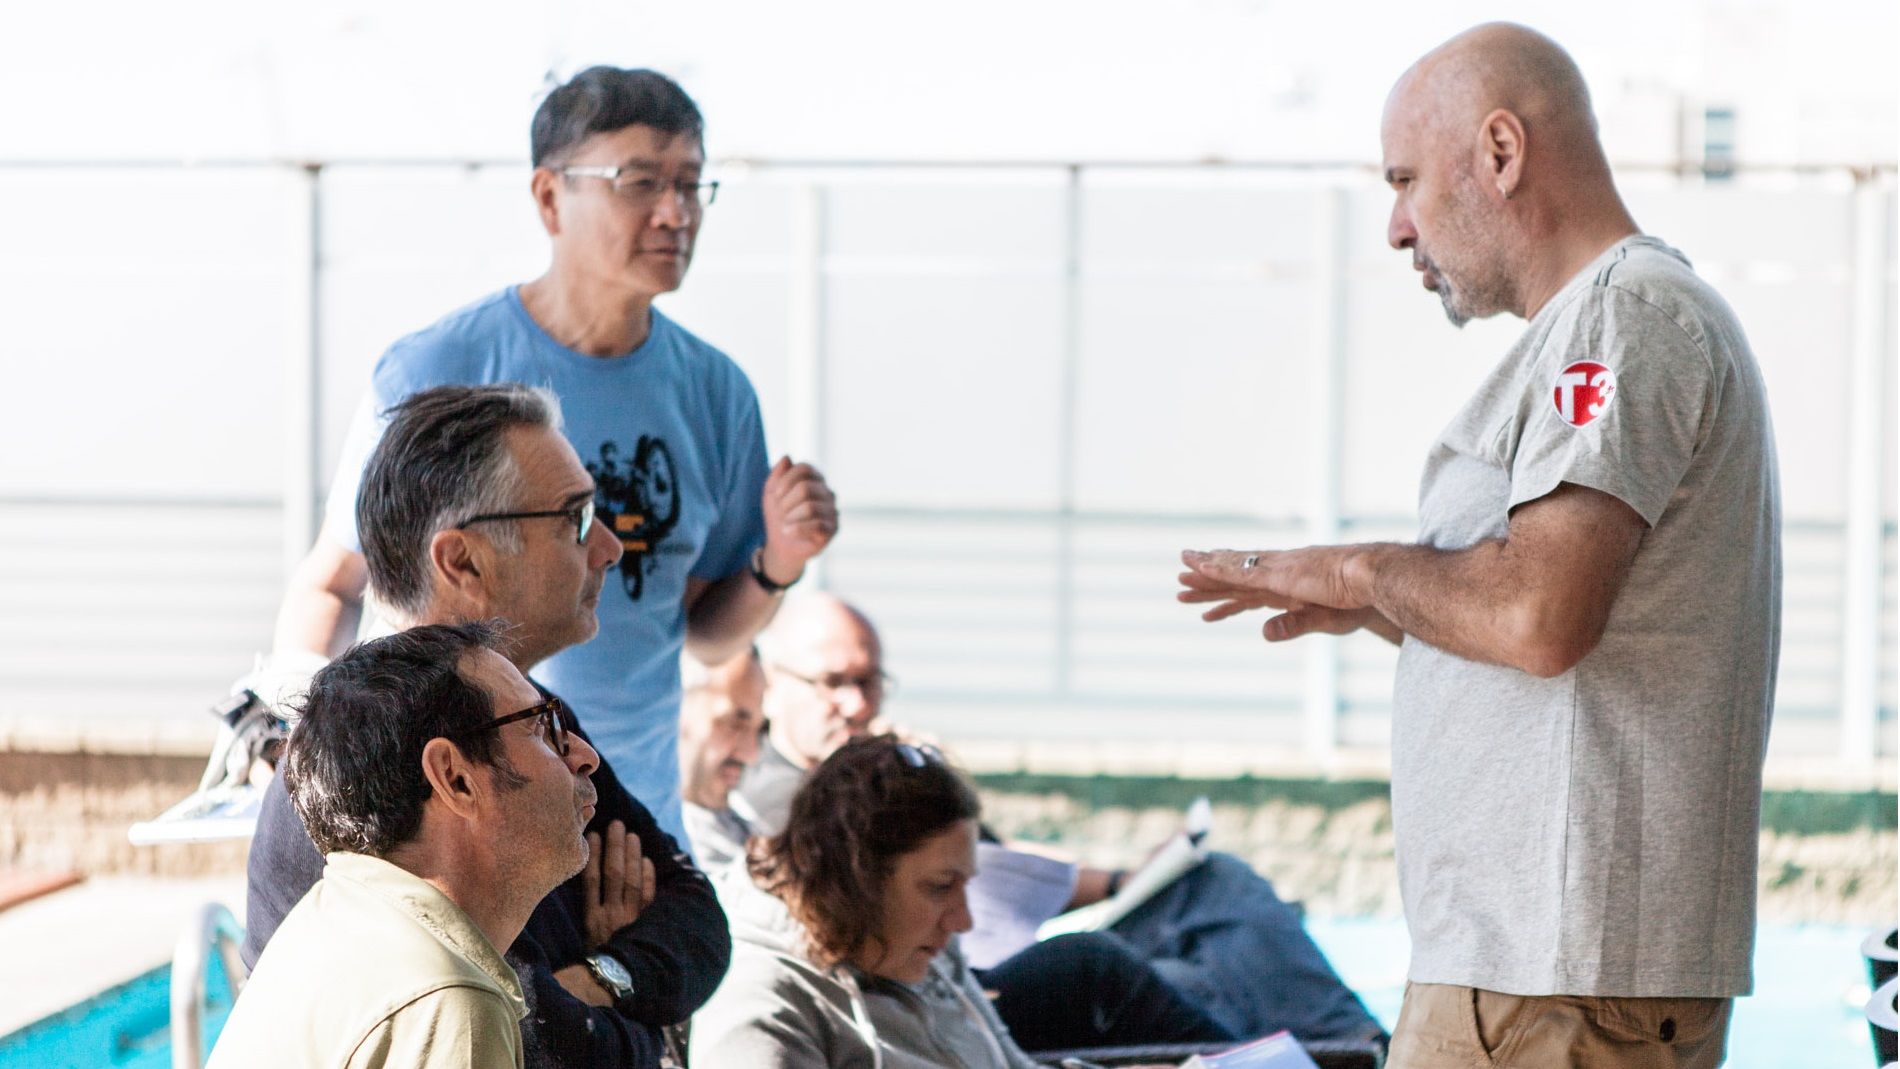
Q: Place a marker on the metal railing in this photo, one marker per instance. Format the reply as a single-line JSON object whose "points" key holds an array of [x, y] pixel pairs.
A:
{"points": [[213, 930]]}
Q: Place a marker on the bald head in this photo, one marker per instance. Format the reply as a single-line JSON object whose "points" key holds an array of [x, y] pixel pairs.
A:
{"points": [[1503, 190], [808, 621], [824, 676], [1499, 66]]}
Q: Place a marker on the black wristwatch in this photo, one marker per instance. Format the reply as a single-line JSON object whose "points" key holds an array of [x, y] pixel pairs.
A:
{"points": [[610, 974], [766, 582]]}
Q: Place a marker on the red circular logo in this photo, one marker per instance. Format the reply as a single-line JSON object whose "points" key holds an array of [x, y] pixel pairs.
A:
{"points": [[1583, 392]]}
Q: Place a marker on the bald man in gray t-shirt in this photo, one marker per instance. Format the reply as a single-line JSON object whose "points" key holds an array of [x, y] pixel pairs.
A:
{"points": [[1590, 619], [1615, 804]]}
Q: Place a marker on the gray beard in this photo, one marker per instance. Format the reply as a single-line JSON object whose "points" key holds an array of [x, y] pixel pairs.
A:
{"points": [[1445, 297]]}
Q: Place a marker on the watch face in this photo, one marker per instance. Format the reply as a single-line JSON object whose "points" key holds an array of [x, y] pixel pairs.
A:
{"points": [[612, 973]]}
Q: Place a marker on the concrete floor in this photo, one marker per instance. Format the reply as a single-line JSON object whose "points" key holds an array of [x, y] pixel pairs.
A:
{"points": [[72, 944]]}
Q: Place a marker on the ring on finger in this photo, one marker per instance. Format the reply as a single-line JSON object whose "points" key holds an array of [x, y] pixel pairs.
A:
{"points": [[1252, 559]]}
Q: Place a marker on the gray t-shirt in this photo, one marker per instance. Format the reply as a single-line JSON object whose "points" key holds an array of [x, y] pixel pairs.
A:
{"points": [[718, 837], [1596, 833], [764, 796]]}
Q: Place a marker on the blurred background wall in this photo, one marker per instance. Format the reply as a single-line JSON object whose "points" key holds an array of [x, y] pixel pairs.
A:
{"points": [[1050, 291]]}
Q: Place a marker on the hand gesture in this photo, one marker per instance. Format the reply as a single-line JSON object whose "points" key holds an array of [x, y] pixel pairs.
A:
{"points": [[801, 516], [617, 883], [1316, 589]]}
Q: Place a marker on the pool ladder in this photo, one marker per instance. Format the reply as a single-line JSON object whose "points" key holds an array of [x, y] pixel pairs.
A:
{"points": [[214, 929]]}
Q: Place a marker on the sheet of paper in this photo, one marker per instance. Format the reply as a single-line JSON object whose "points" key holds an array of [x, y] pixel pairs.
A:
{"points": [[1013, 894], [1177, 856], [1277, 1051]]}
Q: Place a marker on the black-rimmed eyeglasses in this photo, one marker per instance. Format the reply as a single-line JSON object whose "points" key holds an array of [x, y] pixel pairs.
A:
{"points": [[553, 727], [637, 186], [581, 516]]}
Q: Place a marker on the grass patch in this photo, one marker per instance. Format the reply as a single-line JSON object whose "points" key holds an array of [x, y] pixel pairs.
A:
{"points": [[1150, 792], [1828, 812], [1782, 812]]}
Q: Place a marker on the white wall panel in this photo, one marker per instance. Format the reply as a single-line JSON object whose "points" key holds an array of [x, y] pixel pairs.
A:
{"points": [[158, 305]]}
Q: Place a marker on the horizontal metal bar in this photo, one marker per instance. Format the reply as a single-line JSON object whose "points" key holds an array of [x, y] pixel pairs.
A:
{"points": [[137, 501], [887, 512], [1862, 171]]}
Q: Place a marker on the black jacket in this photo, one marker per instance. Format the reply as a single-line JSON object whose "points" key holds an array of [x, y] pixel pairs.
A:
{"points": [[676, 951]]}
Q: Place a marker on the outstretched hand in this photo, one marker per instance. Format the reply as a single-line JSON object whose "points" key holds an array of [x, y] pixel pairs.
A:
{"points": [[1316, 589]]}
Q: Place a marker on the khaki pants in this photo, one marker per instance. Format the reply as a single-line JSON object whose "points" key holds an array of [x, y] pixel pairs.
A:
{"points": [[1447, 1027]]}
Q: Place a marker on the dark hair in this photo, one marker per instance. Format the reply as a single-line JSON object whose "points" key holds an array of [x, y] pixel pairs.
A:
{"points": [[605, 99], [872, 801], [441, 460], [353, 766]]}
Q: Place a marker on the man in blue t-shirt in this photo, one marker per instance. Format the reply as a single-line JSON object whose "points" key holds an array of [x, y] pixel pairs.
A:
{"points": [[667, 426]]}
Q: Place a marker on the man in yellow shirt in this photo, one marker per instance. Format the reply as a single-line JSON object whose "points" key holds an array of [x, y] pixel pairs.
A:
{"points": [[448, 800]]}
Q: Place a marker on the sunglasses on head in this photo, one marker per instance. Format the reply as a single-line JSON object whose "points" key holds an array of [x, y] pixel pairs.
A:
{"points": [[919, 756]]}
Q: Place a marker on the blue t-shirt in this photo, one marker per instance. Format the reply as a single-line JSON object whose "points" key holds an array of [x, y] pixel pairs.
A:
{"points": [[672, 436]]}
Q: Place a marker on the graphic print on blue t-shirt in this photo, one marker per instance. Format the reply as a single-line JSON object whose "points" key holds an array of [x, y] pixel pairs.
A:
{"points": [[640, 503], [683, 425]]}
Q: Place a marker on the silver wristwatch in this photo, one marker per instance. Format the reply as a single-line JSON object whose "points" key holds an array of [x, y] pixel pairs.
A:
{"points": [[610, 974]]}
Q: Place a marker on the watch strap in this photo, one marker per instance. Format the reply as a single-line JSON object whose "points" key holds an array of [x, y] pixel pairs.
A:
{"points": [[766, 582]]}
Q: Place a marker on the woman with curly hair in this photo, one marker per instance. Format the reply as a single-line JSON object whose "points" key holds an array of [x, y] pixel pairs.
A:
{"points": [[844, 926]]}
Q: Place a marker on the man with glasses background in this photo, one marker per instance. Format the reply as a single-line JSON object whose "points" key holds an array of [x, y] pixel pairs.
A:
{"points": [[474, 507], [445, 810], [668, 426], [825, 680]]}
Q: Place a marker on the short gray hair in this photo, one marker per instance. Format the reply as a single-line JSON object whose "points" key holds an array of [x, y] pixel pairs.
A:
{"points": [[442, 459]]}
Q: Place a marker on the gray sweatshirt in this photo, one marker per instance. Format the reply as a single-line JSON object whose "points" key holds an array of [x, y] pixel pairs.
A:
{"points": [[777, 1009]]}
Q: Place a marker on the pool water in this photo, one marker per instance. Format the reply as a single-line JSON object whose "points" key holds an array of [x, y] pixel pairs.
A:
{"points": [[124, 1026], [1807, 1010]]}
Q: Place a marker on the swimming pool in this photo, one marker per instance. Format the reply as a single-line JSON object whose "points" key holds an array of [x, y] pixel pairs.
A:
{"points": [[122, 1027], [1810, 986]]}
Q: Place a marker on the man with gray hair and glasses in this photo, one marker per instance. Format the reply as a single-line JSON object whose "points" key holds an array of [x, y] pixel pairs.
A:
{"points": [[711, 532], [474, 507]]}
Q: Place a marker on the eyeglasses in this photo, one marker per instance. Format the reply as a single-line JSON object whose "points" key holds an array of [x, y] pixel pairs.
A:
{"points": [[870, 685], [581, 516], [554, 726], [639, 187], [919, 756]]}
